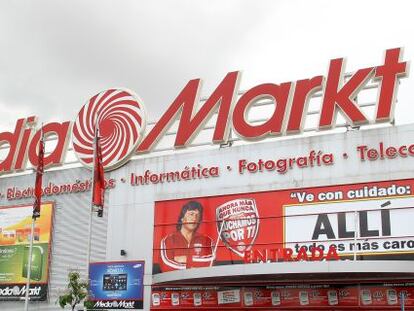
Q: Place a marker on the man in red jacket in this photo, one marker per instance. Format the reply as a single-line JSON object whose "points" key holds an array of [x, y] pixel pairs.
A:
{"points": [[186, 248]]}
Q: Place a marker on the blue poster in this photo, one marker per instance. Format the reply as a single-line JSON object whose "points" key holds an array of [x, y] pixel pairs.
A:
{"points": [[117, 285]]}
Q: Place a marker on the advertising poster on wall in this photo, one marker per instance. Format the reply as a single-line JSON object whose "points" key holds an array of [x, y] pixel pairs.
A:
{"points": [[117, 285], [15, 235], [292, 297], [365, 221], [199, 297]]}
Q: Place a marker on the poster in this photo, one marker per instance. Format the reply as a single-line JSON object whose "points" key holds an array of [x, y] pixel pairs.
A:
{"points": [[282, 297], [200, 297], [366, 220], [117, 285], [15, 234]]}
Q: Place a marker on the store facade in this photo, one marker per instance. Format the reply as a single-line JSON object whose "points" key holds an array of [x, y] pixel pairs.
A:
{"points": [[313, 221], [295, 247]]}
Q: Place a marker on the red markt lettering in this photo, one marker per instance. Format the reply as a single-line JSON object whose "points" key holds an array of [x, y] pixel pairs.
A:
{"points": [[388, 74], [290, 99], [278, 93], [342, 98], [303, 91], [189, 124]]}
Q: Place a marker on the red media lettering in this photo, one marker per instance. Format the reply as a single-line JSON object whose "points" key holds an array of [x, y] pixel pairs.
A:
{"points": [[24, 140]]}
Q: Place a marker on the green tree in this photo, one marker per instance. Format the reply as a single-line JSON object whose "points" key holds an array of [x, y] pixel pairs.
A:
{"points": [[77, 290]]}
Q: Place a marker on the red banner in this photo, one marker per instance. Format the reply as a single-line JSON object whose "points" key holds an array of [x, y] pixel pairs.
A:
{"points": [[39, 178], [98, 178], [335, 222]]}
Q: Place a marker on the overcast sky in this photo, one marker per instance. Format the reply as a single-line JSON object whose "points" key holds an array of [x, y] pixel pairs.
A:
{"points": [[56, 54]]}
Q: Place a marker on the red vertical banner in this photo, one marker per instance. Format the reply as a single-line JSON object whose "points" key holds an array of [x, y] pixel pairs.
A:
{"points": [[39, 177], [98, 178]]}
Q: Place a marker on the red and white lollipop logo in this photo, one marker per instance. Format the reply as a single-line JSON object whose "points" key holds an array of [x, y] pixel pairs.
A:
{"points": [[121, 119]]}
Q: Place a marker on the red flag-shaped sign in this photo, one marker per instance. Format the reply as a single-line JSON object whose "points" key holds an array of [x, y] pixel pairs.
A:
{"points": [[39, 177], [98, 178]]}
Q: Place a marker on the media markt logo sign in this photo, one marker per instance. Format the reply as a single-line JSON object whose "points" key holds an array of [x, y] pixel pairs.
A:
{"points": [[122, 304], [19, 291], [121, 118]]}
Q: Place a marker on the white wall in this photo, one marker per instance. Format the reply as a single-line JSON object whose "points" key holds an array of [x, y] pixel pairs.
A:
{"points": [[128, 220], [131, 213]]}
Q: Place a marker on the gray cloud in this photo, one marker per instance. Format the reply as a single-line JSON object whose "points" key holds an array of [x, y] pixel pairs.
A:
{"points": [[55, 54]]}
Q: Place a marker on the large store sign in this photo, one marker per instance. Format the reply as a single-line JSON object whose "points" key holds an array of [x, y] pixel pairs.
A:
{"points": [[121, 117], [15, 230], [369, 220], [116, 285]]}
